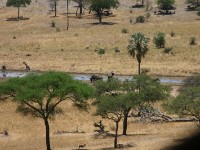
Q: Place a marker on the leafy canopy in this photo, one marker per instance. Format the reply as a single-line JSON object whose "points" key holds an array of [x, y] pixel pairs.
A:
{"points": [[100, 5], [187, 103], [39, 95], [146, 90], [18, 3], [159, 40], [137, 92], [165, 4], [138, 46]]}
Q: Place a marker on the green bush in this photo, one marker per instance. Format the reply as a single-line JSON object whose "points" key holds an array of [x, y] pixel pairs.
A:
{"points": [[192, 41], [197, 8], [198, 13], [58, 29], [101, 51], [165, 4], [124, 30], [159, 40], [167, 49], [189, 1], [140, 19], [116, 49], [53, 24], [172, 34], [148, 15]]}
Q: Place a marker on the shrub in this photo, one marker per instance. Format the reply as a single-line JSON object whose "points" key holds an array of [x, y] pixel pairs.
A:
{"points": [[53, 24], [131, 20], [140, 19], [167, 49], [58, 29], [148, 15], [198, 13], [165, 4], [101, 51], [197, 8], [189, 1], [172, 34], [192, 41], [116, 49], [159, 40], [124, 30]]}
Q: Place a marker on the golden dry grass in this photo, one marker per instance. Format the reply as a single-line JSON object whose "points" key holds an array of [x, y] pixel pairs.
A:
{"points": [[52, 50], [26, 133]]}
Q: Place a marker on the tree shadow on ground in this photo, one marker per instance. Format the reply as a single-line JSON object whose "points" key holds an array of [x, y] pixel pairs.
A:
{"points": [[54, 16], [125, 146], [17, 19], [103, 23], [111, 135]]}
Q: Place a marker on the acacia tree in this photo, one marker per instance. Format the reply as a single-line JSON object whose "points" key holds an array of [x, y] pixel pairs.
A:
{"points": [[115, 90], [165, 4], [111, 107], [40, 95], [144, 92], [100, 5], [187, 103], [150, 92], [53, 4], [81, 4], [68, 14], [18, 4], [138, 47]]}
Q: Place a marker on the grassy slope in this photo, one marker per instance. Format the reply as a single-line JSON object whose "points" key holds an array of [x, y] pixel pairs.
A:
{"points": [[26, 133], [61, 50]]}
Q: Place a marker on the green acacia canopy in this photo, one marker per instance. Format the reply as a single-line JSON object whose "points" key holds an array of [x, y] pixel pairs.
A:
{"points": [[18, 3], [40, 94], [187, 103], [165, 4]]}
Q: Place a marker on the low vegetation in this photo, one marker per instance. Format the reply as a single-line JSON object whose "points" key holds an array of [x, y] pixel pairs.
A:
{"points": [[187, 103], [159, 40]]}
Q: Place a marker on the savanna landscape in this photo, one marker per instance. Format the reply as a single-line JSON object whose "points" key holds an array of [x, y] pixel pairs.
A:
{"points": [[43, 41]]}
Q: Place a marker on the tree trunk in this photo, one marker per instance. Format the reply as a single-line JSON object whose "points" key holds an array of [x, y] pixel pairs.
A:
{"points": [[47, 134], [142, 2], [116, 134], [67, 14], [125, 121], [55, 8], [100, 17], [81, 7], [18, 12], [139, 67], [77, 11]]}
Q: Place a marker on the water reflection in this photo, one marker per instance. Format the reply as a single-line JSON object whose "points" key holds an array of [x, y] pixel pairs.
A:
{"points": [[86, 77]]}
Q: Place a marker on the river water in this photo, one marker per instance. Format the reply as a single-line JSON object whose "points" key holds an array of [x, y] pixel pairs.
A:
{"points": [[86, 77]]}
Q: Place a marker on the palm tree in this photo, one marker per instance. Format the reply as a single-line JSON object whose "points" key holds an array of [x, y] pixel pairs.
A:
{"points": [[138, 47]]}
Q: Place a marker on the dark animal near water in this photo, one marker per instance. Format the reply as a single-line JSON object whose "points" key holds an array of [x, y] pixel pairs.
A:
{"points": [[81, 146], [27, 67], [111, 75], [3, 69], [95, 77]]}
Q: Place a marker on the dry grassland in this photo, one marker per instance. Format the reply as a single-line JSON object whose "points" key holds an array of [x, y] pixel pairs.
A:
{"points": [[27, 133], [53, 50]]}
